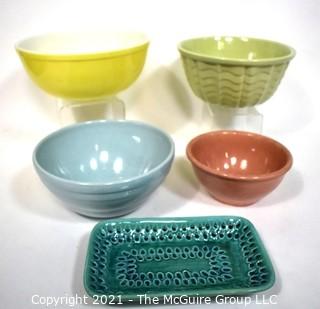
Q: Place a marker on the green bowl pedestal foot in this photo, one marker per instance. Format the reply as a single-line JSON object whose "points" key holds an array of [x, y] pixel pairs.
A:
{"points": [[235, 118], [70, 112]]}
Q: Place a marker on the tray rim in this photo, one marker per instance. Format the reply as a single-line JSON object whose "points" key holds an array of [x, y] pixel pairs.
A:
{"points": [[194, 293]]}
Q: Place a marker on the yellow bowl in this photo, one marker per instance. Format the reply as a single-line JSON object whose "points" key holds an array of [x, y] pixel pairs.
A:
{"points": [[84, 66]]}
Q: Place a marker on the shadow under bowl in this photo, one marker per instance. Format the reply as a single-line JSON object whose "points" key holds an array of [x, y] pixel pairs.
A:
{"points": [[234, 71], [104, 168], [238, 168]]}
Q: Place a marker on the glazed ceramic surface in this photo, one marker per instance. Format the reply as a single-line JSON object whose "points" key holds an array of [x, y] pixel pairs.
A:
{"points": [[104, 168], [238, 168], [84, 66], [234, 71], [200, 256]]}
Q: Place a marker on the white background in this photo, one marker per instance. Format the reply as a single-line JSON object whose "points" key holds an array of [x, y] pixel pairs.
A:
{"points": [[43, 244]]}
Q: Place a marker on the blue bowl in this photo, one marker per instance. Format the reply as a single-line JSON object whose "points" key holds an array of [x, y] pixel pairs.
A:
{"points": [[104, 168]]}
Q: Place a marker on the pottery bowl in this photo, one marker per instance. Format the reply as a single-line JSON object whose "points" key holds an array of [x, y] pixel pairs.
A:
{"points": [[234, 71], [104, 168], [83, 66], [238, 168]]}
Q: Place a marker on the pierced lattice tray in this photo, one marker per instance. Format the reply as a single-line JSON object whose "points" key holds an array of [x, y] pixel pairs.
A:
{"points": [[201, 256]]}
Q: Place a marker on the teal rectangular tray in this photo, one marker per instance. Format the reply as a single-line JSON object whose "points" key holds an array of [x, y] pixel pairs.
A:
{"points": [[198, 256]]}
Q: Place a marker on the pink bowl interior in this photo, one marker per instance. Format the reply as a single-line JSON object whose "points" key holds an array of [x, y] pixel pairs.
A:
{"points": [[239, 154]]}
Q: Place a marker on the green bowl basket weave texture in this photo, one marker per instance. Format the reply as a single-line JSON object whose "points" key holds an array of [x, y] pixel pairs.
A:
{"points": [[232, 80]]}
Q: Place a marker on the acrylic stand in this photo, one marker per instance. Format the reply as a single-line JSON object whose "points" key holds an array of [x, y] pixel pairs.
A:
{"points": [[70, 112], [229, 118]]}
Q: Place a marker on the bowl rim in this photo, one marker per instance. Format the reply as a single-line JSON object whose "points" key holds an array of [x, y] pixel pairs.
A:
{"points": [[84, 56], [251, 178], [104, 185], [237, 61]]}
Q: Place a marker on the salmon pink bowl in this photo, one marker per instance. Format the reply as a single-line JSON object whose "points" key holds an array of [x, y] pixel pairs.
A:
{"points": [[236, 167]]}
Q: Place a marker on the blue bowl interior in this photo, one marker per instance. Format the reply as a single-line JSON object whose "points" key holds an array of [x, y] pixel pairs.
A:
{"points": [[103, 152]]}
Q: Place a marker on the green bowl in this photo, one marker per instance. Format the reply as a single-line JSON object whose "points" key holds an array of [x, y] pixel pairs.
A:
{"points": [[234, 71]]}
